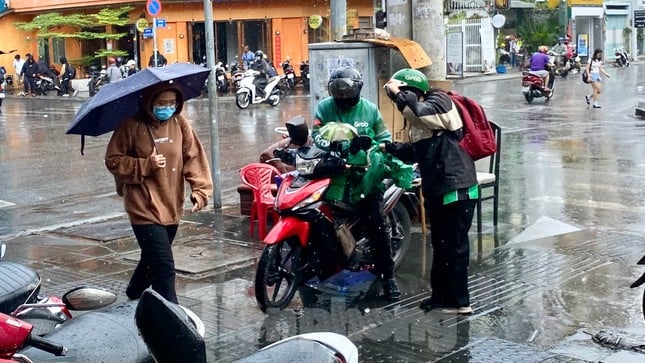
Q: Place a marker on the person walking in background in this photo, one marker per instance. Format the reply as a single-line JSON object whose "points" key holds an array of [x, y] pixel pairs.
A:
{"points": [[151, 156], [113, 72], [161, 60], [449, 183], [247, 58], [595, 69], [67, 73]]}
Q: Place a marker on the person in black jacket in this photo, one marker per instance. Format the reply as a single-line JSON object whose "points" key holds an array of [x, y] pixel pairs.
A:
{"points": [[449, 183], [29, 71], [261, 66]]}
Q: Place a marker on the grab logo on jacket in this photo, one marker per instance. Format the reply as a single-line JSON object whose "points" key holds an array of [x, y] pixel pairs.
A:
{"points": [[361, 124]]}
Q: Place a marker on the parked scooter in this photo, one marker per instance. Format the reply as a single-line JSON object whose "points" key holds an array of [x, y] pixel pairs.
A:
{"points": [[220, 76], [4, 80], [317, 237], [622, 58], [112, 335], [247, 95], [290, 74], [304, 74], [639, 282], [533, 85], [236, 75], [45, 84]]}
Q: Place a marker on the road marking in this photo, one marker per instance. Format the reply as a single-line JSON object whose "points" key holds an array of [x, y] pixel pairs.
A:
{"points": [[54, 227], [4, 203]]}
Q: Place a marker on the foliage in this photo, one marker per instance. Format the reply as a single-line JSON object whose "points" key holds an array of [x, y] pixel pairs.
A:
{"points": [[81, 27], [540, 29]]}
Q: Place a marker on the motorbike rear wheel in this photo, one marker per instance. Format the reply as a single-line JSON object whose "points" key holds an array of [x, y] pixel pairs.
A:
{"points": [[274, 99], [278, 275], [243, 100], [529, 97], [399, 221]]}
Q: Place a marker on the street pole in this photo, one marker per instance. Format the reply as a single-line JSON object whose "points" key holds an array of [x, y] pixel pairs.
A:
{"points": [[429, 32], [154, 39], [212, 104], [338, 19]]}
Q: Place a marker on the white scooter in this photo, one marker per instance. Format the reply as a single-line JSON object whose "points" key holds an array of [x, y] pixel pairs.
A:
{"points": [[246, 94]]}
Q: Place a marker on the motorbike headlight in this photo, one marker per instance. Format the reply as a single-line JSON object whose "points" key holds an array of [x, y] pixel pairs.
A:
{"points": [[306, 166]]}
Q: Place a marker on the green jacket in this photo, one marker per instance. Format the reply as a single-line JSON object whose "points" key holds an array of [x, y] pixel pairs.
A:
{"points": [[352, 186], [365, 117]]}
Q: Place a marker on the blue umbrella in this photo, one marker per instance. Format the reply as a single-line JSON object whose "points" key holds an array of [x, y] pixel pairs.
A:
{"points": [[118, 100]]}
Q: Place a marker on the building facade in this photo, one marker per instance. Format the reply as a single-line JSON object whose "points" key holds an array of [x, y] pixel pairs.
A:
{"points": [[278, 28]]}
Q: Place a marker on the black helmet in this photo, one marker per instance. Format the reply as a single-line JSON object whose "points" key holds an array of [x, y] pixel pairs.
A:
{"points": [[259, 54], [345, 86]]}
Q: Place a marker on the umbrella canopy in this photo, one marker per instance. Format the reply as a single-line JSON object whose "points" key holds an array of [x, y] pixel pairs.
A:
{"points": [[118, 100]]}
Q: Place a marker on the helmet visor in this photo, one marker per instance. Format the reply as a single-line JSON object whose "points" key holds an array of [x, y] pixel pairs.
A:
{"points": [[343, 88]]}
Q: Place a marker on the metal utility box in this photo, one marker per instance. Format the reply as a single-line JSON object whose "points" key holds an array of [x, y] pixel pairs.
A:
{"points": [[372, 59]]}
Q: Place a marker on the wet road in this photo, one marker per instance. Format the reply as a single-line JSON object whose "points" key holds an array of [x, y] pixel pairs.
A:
{"points": [[564, 167]]}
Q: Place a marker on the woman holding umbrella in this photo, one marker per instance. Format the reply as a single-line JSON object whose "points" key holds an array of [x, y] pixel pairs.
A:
{"points": [[151, 155]]}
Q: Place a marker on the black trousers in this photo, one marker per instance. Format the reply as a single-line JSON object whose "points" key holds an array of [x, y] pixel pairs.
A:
{"points": [[449, 225], [378, 234], [66, 86], [156, 266]]}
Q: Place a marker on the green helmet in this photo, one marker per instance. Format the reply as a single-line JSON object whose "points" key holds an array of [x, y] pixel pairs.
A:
{"points": [[412, 78]]}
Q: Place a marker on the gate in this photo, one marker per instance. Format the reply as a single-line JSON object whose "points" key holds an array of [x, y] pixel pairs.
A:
{"points": [[472, 43]]}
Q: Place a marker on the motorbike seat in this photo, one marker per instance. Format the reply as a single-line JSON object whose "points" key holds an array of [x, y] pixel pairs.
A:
{"points": [[19, 284]]}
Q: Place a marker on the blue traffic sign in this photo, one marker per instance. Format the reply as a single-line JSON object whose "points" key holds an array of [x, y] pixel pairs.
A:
{"points": [[161, 23], [153, 7], [147, 33]]}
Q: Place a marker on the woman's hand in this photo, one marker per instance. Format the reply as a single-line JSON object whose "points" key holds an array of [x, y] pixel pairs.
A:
{"points": [[158, 161]]}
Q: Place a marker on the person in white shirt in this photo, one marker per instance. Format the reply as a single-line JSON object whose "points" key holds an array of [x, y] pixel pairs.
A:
{"points": [[17, 65]]}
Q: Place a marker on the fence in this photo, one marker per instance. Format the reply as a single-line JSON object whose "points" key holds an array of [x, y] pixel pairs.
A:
{"points": [[472, 43]]}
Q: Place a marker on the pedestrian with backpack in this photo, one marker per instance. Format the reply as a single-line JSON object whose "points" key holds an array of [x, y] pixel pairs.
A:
{"points": [[67, 73], [449, 183]]}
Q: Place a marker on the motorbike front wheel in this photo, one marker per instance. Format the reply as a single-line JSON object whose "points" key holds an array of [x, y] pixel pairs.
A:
{"points": [[278, 275], [399, 222], [243, 100]]}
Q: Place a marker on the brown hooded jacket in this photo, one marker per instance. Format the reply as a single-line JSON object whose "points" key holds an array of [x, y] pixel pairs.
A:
{"points": [[157, 195]]}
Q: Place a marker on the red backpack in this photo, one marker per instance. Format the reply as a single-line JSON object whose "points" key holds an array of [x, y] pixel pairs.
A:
{"points": [[479, 138]]}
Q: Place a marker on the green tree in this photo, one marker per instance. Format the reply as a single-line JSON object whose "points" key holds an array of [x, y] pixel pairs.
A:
{"points": [[81, 27], [542, 28]]}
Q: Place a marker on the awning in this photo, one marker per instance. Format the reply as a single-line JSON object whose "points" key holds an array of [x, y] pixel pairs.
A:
{"points": [[409, 49]]}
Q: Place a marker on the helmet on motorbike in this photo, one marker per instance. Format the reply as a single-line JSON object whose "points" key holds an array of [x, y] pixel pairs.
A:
{"points": [[111, 60], [345, 86], [543, 49], [259, 55], [408, 78]]}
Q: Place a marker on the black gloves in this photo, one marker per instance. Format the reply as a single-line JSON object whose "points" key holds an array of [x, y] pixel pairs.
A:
{"points": [[360, 143]]}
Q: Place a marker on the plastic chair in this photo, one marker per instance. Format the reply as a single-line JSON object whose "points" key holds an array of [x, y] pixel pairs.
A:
{"points": [[259, 177], [490, 179]]}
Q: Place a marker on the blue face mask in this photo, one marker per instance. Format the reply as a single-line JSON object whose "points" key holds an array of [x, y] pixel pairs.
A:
{"points": [[163, 113]]}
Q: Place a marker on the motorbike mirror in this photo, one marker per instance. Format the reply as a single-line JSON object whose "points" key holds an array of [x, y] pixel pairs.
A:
{"points": [[87, 298], [298, 130]]}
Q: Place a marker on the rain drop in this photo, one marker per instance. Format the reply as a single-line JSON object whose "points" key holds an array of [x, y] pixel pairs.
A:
{"points": [[45, 116]]}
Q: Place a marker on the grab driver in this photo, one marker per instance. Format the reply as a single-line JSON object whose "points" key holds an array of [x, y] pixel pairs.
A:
{"points": [[540, 64]]}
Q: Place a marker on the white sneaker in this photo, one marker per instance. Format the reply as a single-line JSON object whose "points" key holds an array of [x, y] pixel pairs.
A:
{"points": [[75, 93], [66, 95]]}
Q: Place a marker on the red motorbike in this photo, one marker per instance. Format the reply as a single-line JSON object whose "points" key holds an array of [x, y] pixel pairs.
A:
{"points": [[533, 85], [314, 236]]}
